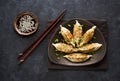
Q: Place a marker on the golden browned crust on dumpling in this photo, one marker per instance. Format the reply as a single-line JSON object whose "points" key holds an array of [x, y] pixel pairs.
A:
{"points": [[67, 35], [77, 57], [77, 33], [66, 48], [87, 36], [90, 47]]}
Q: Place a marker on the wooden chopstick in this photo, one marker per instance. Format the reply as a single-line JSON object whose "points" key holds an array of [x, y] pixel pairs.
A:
{"points": [[40, 38]]}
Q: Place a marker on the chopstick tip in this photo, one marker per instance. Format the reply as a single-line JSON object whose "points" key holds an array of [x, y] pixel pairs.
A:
{"points": [[21, 61], [19, 55], [64, 10]]}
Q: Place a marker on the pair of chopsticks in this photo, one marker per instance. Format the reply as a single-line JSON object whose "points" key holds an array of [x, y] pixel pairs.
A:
{"points": [[26, 52]]}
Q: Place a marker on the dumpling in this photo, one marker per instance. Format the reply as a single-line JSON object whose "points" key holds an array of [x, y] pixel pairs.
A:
{"points": [[87, 36], [90, 47], [77, 57], [77, 32], [66, 48], [68, 37]]}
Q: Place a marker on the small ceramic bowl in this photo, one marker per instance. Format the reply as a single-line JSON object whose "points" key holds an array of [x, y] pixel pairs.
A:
{"points": [[26, 23]]}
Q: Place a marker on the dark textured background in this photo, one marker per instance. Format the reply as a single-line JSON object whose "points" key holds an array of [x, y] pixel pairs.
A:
{"points": [[35, 67]]}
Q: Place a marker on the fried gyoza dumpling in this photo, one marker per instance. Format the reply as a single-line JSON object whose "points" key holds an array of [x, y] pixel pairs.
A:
{"points": [[90, 47], [66, 48], [77, 57], [68, 37], [87, 36], [77, 32]]}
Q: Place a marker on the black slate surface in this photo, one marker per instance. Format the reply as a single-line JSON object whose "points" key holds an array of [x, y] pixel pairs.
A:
{"points": [[35, 67]]}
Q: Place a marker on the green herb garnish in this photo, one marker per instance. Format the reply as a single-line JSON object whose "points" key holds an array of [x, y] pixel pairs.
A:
{"points": [[94, 37], [56, 40], [69, 25], [56, 50], [62, 54], [93, 57], [91, 41], [92, 52], [63, 41], [56, 54], [65, 47], [66, 41], [59, 32], [58, 58], [82, 25]]}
